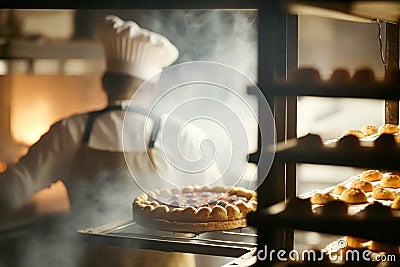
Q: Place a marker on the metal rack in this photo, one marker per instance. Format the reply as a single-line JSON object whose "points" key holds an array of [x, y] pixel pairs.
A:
{"points": [[289, 149], [233, 243]]}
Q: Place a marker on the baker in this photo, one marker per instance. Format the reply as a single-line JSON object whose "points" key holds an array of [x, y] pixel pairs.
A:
{"points": [[85, 150]]}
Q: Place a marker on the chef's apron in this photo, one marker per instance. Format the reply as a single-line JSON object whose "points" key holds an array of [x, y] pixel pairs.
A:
{"points": [[101, 191]]}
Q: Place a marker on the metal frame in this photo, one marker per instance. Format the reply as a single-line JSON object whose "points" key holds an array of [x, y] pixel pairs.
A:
{"points": [[274, 64], [392, 58], [233, 243], [277, 57]]}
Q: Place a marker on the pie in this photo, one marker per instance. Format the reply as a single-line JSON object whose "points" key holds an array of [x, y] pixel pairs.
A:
{"points": [[195, 209]]}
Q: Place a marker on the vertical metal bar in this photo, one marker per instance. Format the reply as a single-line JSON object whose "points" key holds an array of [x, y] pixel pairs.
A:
{"points": [[291, 118], [267, 58], [291, 115], [392, 62], [265, 76], [272, 66]]}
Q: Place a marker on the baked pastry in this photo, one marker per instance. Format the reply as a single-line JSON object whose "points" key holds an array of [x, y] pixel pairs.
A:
{"points": [[396, 203], [305, 75], [390, 181], [335, 208], [321, 199], [363, 185], [388, 128], [338, 190], [376, 210], [369, 129], [340, 76], [353, 196], [299, 207], [381, 193], [357, 133], [195, 209], [355, 242], [371, 176], [364, 75]]}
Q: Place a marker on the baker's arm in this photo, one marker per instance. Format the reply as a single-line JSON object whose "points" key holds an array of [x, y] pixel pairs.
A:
{"points": [[46, 162]]}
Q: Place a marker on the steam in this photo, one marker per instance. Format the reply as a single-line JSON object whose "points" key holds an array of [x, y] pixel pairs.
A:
{"points": [[227, 37], [222, 36]]}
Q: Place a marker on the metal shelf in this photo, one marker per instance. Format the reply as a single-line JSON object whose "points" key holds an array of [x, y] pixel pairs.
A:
{"points": [[233, 243], [346, 152], [378, 90], [385, 228], [360, 11]]}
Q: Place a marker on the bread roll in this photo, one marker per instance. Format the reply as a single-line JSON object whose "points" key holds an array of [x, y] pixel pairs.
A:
{"points": [[371, 176], [357, 133], [340, 76], [335, 208], [369, 129], [305, 75], [390, 181], [338, 190], [355, 242], [321, 199], [396, 203], [353, 196], [381, 193], [363, 185], [364, 75], [388, 128]]}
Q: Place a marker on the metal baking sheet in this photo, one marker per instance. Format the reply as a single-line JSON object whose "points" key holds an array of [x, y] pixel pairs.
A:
{"points": [[232, 243]]}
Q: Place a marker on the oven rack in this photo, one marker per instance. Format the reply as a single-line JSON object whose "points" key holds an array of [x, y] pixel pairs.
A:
{"points": [[232, 243], [377, 90], [347, 152], [379, 228]]}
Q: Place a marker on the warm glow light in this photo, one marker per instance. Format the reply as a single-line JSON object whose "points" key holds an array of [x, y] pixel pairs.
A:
{"points": [[3, 166], [38, 101]]}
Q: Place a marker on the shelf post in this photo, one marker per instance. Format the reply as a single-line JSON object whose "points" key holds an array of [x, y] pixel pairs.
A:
{"points": [[392, 62]]}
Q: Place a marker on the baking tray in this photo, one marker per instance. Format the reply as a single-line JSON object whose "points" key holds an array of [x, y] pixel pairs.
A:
{"points": [[232, 243], [385, 229], [366, 154]]}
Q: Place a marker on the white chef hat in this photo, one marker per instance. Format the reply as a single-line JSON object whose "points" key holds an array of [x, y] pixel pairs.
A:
{"points": [[132, 50]]}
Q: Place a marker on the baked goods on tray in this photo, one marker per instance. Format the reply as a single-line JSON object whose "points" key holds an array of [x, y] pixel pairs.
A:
{"points": [[353, 196], [357, 133], [321, 199], [363, 185], [369, 130], [390, 181], [360, 190], [371, 175], [369, 133], [381, 193], [195, 209], [338, 190], [388, 129]]}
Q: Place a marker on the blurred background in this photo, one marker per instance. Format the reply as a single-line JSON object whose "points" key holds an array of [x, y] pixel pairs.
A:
{"points": [[50, 68]]}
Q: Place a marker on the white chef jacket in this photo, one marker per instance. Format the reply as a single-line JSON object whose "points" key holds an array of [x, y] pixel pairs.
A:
{"points": [[51, 157]]}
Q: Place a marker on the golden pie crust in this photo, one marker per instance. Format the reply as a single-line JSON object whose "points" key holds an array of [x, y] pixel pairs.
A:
{"points": [[187, 218]]}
